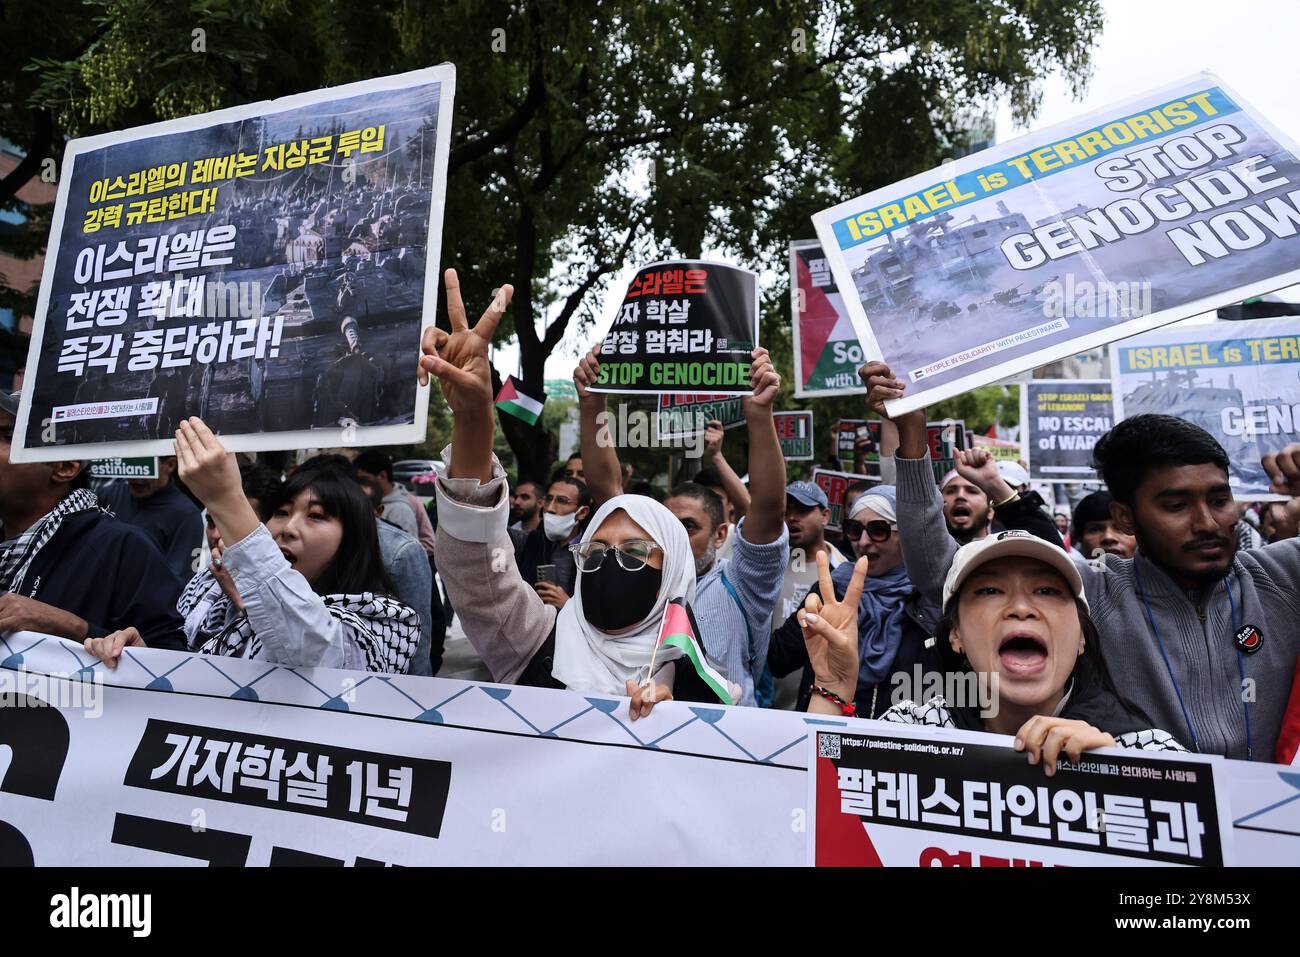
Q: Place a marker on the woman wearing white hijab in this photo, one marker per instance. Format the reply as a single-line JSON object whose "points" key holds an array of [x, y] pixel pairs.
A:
{"points": [[634, 558], [598, 659]]}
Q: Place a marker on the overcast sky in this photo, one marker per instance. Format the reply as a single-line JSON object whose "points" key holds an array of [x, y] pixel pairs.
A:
{"points": [[1250, 44]]}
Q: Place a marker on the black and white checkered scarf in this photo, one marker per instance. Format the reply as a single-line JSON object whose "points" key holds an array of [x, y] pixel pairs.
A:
{"points": [[386, 630], [16, 555]]}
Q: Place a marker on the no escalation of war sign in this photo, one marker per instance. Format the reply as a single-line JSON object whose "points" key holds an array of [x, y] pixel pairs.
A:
{"points": [[1240, 381], [267, 268], [1062, 420], [1164, 206], [682, 326]]}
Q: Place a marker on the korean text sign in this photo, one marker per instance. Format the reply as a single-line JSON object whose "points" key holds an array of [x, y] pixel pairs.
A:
{"points": [[175, 757], [264, 267], [953, 799], [683, 326], [1164, 206]]}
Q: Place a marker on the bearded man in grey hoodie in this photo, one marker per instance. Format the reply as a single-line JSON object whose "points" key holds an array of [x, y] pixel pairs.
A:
{"points": [[1199, 635]]}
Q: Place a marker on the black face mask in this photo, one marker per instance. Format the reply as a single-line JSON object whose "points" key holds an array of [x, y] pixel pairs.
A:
{"points": [[614, 598]]}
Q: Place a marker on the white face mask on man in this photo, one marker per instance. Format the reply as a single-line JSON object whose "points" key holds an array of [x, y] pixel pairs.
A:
{"points": [[559, 528]]}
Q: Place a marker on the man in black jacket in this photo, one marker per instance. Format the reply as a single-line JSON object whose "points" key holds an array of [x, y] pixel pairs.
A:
{"points": [[67, 567]]}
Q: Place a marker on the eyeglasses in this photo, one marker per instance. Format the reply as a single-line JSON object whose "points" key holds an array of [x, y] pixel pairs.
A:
{"points": [[878, 530], [633, 555], [557, 500]]}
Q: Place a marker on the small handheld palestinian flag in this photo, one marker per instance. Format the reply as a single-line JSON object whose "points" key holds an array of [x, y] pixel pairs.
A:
{"points": [[512, 400], [680, 631]]}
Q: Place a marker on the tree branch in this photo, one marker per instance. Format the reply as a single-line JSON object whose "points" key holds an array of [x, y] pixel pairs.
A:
{"points": [[555, 331], [509, 130], [18, 177], [525, 262]]}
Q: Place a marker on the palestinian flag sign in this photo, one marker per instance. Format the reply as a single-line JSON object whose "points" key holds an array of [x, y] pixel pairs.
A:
{"points": [[826, 348], [512, 400], [680, 631]]}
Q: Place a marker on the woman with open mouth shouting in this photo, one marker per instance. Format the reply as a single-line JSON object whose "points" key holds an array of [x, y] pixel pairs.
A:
{"points": [[1014, 617], [307, 589]]}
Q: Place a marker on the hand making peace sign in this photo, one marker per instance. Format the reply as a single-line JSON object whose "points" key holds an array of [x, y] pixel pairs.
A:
{"points": [[830, 629], [460, 358]]}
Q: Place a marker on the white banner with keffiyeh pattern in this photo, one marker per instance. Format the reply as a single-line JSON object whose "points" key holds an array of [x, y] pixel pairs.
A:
{"points": [[189, 759]]}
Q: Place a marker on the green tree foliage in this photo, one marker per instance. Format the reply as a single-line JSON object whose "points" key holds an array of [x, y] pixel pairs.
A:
{"points": [[587, 135]]}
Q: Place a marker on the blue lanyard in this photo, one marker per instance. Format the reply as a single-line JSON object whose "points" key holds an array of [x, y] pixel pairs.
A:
{"points": [[740, 606], [1241, 665]]}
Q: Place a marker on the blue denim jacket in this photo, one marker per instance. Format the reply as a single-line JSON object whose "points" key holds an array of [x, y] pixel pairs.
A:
{"points": [[407, 565]]}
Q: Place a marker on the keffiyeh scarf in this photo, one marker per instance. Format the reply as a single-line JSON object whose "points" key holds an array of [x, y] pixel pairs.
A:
{"points": [[386, 630], [16, 556]]}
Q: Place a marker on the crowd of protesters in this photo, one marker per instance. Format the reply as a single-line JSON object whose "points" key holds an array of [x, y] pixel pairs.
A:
{"points": [[1157, 614]]}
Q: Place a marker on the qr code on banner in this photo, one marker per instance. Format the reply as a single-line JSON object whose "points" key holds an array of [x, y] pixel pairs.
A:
{"points": [[828, 746]]}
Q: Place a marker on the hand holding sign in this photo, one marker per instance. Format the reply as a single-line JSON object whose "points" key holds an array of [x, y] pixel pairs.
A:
{"points": [[765, 381], [881, 386], [830, 629], [1044, 737], [644, 698], [109, 648], [585, 376]]}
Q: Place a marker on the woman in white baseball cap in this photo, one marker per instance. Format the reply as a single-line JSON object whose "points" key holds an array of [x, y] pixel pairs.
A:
{"points": [[1014, 617]]}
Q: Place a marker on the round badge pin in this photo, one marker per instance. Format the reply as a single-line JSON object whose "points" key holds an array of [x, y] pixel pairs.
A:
{"points": [[1248, 639]]}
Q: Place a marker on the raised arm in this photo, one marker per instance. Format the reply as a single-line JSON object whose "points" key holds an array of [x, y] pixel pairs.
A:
{"points": [[888, 446], [1013, 509], [927, 546], [289, 619], [765, 518], [600, 465], [1282, 559], [504, 619], [714, 436]]}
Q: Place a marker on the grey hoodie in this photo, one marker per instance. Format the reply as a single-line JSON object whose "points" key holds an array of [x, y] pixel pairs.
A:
{"points": [[1196, 630]]}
